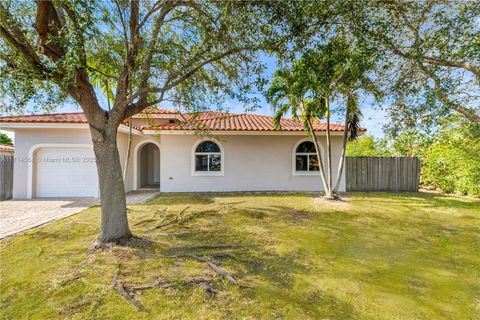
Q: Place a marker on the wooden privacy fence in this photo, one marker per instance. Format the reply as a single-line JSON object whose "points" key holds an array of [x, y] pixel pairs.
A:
{"points": [[6, 177], [393, 174]]}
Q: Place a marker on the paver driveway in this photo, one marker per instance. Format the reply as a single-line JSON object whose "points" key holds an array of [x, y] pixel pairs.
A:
{"points": [[20, 215]]}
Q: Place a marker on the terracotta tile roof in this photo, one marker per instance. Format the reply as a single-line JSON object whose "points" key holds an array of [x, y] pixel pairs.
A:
{"points": [[6, 147], [160, 111], [205, 115], [209, 120], [240, 122], [72, 117]]}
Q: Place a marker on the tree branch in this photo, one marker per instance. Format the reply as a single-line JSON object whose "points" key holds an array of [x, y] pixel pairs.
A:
{"points": [[78, 30], [145, 70], [135, 108], [154, 9], [454, 64], [190, 73], [10, 31], [47, 23], [467, 113], [415, 29]]}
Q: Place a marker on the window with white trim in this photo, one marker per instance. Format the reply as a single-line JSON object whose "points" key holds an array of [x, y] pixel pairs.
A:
{"points": [[208, 157], [306, 159]]}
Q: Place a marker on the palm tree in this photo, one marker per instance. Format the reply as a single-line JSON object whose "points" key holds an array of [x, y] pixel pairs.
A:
{"points": [[332, 71], [288, 94], [351, 131]]}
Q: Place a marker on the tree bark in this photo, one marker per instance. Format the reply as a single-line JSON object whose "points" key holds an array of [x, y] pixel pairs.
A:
{"points": [[319, 156], [329, 193], [114, 228], [342, 157]]}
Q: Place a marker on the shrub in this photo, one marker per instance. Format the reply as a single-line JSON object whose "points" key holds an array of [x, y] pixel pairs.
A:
{"points": [[452, 163]]}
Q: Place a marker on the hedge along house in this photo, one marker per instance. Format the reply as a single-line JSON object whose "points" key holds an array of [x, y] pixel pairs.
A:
{"points": [[174, 152]]}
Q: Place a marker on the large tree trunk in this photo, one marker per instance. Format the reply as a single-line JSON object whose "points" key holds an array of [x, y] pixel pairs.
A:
{"points": [[112, 191]]}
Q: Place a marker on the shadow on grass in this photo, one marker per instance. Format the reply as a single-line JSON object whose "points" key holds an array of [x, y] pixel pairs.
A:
{"points": [[180, 198], [296, 257], [269, 274], [418, 198]]}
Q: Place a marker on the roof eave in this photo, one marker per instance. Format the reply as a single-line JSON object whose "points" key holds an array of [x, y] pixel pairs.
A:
{"points": [[237, 132]]}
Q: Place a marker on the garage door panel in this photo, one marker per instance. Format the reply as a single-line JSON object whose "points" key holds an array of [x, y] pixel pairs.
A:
{"points": [[66, 172]]}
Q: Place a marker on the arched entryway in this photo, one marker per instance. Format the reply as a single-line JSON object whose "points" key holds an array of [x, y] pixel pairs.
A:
{"points": [[148, 166]]}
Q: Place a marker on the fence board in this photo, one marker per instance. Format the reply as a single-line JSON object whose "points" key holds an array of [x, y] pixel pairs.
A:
{"points": [[6, 177], [393, 174]]}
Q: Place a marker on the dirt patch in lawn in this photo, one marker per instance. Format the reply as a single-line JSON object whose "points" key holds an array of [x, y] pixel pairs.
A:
{"points": [[300, 215], [340, 204]]}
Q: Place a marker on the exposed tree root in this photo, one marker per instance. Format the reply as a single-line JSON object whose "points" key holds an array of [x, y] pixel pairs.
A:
{"points": [[129, 293], [209, 246], [70, 280], [174, 233], [220, 255], [180, 220], [129, 297], [100, 244], [219, 270], [145, 221], [175, 220], [97, 244], [166, 284]]}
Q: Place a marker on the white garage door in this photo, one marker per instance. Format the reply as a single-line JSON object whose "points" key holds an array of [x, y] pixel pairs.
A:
{"points": [[66, 172]]}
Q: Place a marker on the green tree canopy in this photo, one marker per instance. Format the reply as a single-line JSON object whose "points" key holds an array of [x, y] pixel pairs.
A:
{"points": [[366, 146], [451, 161], [142, 53], [430, 53], [4, 139]]}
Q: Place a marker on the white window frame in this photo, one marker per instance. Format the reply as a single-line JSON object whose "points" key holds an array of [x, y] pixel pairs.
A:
{"points": [[294, 159], [208, 173]]}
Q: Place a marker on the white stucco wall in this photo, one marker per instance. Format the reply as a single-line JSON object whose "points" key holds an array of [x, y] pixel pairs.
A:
{"points": [[251, 163], [26, 139]]}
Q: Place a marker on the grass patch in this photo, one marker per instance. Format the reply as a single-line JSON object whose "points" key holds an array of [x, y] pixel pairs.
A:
{"points": [[381, 256]]}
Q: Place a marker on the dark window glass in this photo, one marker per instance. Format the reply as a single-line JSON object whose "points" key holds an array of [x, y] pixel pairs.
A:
{"points": [[207, 146], [215, 163], [201, 162], [306, 147], [301, 163], [313, 163]]}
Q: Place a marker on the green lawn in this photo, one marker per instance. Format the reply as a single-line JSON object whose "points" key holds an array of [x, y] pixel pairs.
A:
{"points": [[380, 256]]}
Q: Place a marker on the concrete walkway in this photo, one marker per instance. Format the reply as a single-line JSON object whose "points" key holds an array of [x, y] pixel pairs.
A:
{"points": [[21, 215]]}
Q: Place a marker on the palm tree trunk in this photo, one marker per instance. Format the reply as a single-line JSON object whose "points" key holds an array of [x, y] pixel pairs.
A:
{"points": [[329, 192], [319, 156], [342, 157]]}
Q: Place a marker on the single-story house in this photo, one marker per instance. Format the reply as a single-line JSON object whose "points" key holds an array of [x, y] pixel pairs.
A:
{"points": [[174, 152]]}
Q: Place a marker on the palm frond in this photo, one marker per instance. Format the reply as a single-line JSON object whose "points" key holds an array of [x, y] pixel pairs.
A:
{"points": [[354, 115], [281, 110]]}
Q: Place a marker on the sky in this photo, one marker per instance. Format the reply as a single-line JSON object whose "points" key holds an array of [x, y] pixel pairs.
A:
{"points": [[373, 117]]}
